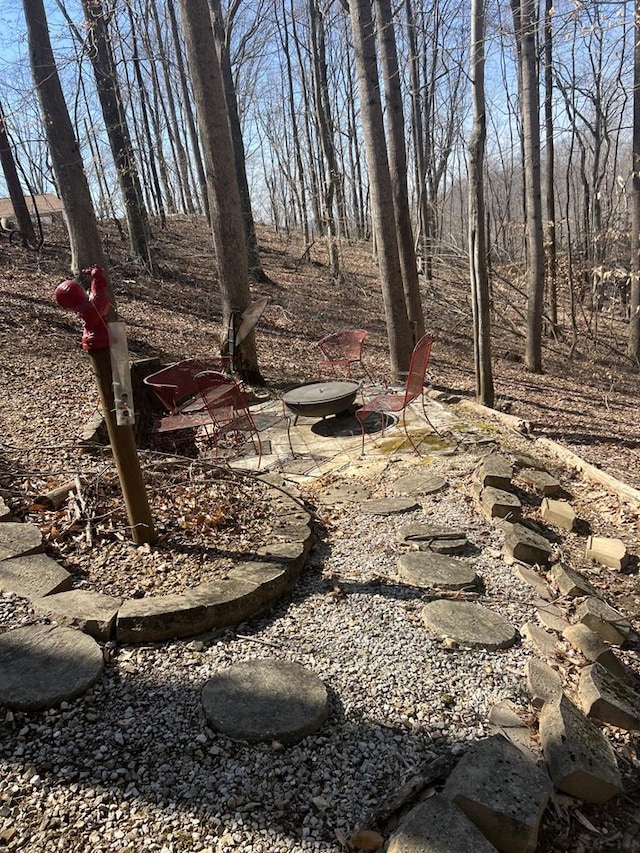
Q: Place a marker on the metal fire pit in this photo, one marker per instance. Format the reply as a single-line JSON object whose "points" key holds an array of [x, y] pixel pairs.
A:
{"points": [[319, 399]]}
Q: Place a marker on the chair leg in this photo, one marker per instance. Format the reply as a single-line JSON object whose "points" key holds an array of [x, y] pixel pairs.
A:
{"points": [[406, 431]]}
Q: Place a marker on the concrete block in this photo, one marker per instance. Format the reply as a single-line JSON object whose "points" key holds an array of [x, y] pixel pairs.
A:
{"points": [[594, 649], [609, 552], [569, 582], [522, 543], [543, 683], [604, 620], [559, 513], [437, 826], [494, 470], [580, 759], [604, 697], [503, 792]]}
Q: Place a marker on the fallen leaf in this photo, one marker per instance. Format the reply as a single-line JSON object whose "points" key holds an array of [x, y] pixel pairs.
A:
{"points": [[586, 822]]}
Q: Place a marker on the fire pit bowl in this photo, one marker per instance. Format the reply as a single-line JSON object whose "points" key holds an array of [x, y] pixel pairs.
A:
{"points": [[319, 399]]}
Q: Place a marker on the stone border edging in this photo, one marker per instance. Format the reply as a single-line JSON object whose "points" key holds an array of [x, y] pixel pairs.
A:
{"points": [[250, 586]]}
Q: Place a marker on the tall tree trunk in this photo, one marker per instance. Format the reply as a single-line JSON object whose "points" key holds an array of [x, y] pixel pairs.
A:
{"points": [[116, 125], [550, 163], [187, 109], [398, 167], [398, 329], [325, 127], [634, 320], [480, 294], [253, 254], [530, 105], [222, 184], [420, 167], [20, 209], [71, 181], [146, 123], [181, 155]]}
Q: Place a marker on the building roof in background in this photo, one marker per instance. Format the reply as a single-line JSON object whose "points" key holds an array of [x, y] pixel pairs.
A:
{"points": [[46, 204]]}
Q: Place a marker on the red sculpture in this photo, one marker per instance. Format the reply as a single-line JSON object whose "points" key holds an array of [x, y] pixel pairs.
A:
{"points": [[91, 308]]}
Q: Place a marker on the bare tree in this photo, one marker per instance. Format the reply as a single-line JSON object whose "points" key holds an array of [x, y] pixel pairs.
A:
{"points": [[103, 64], [224, 196], [398, 329], [525, 19], [480, 294], [634, 323], [20, 209]]}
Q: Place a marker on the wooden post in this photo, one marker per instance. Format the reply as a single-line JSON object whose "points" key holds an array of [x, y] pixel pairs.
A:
{"points": [[125, 454]]}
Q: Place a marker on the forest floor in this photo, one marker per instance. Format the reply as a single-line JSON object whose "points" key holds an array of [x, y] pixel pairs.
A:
{"points": [[587, 400]]}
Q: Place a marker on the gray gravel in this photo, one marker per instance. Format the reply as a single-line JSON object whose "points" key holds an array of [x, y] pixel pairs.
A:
{"points": [[132, 766]]}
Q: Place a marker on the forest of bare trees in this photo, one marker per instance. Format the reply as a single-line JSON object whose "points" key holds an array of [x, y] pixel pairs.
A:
{"points": [[501, 140]]}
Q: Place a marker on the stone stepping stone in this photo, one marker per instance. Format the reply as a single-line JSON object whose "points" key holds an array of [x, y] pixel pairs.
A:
{"points": [[34, 576], [470, 625], [437, 826], [389, 506], [428, 536], [18, 539], [265, 700], [526, 545], [503, 791], [604, 697], [419, 484], [43, 665], [580, 759], [437, 571], [343, 495]]}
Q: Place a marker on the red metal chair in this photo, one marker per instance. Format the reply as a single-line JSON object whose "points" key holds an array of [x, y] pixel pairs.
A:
{"points": [[230, 416], [176, 387], [342, 350], [394, 401]]}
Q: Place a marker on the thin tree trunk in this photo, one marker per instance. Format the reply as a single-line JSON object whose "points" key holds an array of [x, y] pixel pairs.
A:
{"points": [[398, 329], [529, 104], [550, 163], [323, 115], [398, 167], [145, 107], [181, 155], [187, 108], [253, 254], [14, 188], [634, 318], [477, 236]]}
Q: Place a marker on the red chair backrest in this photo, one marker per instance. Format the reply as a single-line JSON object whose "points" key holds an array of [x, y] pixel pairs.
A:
{"points": [[345, 344], [418, 367], [175, 384]]}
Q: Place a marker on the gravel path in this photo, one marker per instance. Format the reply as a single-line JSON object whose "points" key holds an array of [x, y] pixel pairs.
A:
{"points": [[132, 766]]}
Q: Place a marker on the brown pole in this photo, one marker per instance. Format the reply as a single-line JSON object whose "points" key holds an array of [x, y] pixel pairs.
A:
{"points": [[125, 454]]}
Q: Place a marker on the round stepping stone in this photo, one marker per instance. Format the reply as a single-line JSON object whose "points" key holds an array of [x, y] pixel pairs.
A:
{"points": [[468, 624], [428, 536], [418, 484], [343, 494], [426, 569], [265, 700], [389, 506], [43, 665]]}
